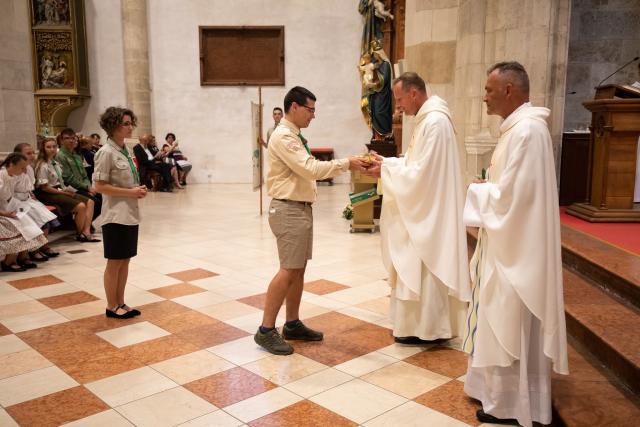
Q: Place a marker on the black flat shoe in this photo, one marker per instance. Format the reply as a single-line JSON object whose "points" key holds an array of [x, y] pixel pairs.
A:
{"points": [[128, 309], [414, 341], [487, 418], [13, 268], [49, 253], [84, 239], [26, 264], [38, 256], [113, 314]]}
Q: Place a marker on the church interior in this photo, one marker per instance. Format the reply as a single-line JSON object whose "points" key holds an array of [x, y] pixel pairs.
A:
{"points": [[210, 73]]}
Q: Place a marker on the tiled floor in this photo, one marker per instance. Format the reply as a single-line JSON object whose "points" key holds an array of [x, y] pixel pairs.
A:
{"points": [[205, 261]]}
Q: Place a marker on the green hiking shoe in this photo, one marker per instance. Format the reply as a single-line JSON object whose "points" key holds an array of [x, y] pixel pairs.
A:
{"points": [[272, 342], [301, 332]]}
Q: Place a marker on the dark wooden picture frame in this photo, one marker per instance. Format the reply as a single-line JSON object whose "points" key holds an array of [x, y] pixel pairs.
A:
{"points": [[241, 55]]}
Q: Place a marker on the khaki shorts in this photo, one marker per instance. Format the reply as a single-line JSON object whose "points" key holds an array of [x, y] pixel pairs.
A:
{"points": [[292, 224]]}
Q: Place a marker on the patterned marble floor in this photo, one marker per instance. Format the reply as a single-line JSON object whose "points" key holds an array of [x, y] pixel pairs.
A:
{"points": [[205, 260]]}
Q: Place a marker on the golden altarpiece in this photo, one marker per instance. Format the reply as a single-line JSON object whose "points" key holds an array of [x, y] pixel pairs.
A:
{"points": [[59, 58]]}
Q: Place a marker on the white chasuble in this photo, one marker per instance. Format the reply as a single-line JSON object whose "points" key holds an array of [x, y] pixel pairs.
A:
{"points": [[516, 325], [424, 247]]}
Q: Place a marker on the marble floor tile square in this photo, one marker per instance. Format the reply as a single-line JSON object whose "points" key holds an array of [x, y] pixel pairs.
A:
{"points": [[302, 413], [80, 311], [194, 274], [231, 386], [358, 400], [65, 300], [160, 310], [184, 321], [31, 321], [442, 360], [34, 282], [20, 388], [50, 290], [282, 370], [211, 335], [379, 306], [228, 310], [57, 408], [401, 351], [192, 366], [360, 313], [308, 310], [317, 383], [405, 379], [22, 308], [132, 334], [103, 365], [412, 414], [451, 400], [175, 291], [201, 299], [160, 349], [129, 386], [263, 404], [217, 419], [21, 362], [256, 301], [6, 420], [364, 364], [239, 291], [334, 322], [240, 351], [10, 295], [109, 418], [12, 344], [323, 287], [167, 408], [325, 302], [135, 297], [4, 330]]}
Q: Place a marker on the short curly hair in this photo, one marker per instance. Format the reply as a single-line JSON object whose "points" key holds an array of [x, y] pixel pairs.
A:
{"points": [[112, 118]]}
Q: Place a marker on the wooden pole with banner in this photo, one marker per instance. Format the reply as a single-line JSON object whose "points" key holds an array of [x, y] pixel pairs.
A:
{"points": [[260, 145]]}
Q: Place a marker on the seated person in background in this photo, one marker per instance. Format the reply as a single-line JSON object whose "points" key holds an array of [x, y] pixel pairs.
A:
{"points": [[73, 171], [172, 150], [95, 142], [85, 149], [51, 190], [147, 162], [23, 186], [29, 236], [163, 157]]}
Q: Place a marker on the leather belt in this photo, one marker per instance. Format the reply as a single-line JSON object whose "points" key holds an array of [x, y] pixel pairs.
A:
{"points": [[294, 201]]}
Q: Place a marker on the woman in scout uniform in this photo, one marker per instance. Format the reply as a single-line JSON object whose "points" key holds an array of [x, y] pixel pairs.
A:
{"points": [[116, 178], [51, 190]]}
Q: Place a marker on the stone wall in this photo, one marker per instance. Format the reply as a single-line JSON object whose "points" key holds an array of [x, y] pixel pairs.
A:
{"points": [[605, 34], [488, 31], [17, 111]]}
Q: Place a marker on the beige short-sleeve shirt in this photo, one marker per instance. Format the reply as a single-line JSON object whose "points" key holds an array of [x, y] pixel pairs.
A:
{"points": [[47, 174], [112, 167]]}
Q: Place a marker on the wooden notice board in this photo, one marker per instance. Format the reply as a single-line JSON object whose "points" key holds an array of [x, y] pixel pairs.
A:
{"points": [[247, 55]]}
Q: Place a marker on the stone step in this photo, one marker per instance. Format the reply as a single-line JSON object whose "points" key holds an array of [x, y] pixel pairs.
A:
{"points": [[589, 396], [614, 270], [604, 327]]}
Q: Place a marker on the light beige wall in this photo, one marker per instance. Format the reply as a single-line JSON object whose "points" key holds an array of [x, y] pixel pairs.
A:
{"points": [[17, 108], [535, 33]]}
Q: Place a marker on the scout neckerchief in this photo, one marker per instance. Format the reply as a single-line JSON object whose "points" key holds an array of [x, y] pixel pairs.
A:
{"points": [[55, 167], [304, 142], [134, 170]]}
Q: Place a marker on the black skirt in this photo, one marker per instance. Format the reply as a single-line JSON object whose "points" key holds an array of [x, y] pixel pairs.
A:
{"points": [[120, 241]]}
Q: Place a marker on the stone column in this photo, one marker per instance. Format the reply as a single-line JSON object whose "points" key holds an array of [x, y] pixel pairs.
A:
{"points": [[136, 62]]}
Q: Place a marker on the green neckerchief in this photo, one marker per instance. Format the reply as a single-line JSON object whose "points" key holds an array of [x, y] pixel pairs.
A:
{"points": [[134, 170], [304, 142], [55, 167]]}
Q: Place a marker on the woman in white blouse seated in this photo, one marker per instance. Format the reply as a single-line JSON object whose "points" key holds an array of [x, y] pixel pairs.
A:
{"points": [[50, 190]]}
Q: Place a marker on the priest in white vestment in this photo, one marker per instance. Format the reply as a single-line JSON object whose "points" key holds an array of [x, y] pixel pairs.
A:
{"points": [[515, 327], [424, 246]]}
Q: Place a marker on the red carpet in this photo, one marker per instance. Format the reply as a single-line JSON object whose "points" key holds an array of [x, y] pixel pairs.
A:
{"points": [[622, 235]]}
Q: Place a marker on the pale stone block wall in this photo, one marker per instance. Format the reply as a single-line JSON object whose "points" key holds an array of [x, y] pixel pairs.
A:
{"points": [[17, 107]]}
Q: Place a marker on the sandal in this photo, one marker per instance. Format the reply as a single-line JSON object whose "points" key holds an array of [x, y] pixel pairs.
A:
{"points": [[27, 264], [14, 268], [49, 253], [38, 256], [85, 239]]}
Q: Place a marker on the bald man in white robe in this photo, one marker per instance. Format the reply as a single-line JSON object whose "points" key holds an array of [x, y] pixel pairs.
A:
{"points": [[424, 246], [516, 325]]}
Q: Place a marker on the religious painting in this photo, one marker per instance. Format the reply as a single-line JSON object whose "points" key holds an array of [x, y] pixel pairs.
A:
{"points": [[54, 60], [51, 12]]}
